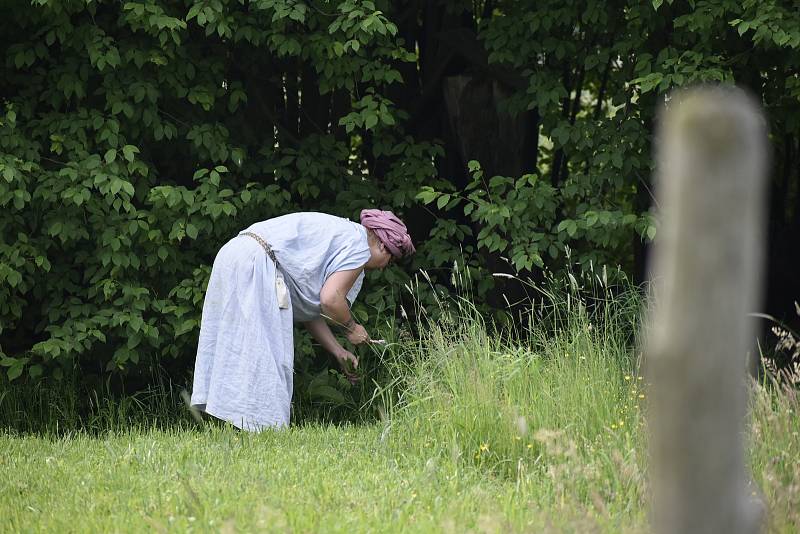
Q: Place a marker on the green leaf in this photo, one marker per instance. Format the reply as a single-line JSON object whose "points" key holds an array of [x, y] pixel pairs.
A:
{"points": [[323, 392], [427, 194], [128, 187], [35, 371], [128, 151], [14, 372], [133, 341], [186, 326], [8, 173], [569, 226], [13, 278], [191, 231], [110, 156], [743, 27]]}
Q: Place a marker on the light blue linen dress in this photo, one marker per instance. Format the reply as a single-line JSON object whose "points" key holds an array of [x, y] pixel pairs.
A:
{"points": [[245, 354]]}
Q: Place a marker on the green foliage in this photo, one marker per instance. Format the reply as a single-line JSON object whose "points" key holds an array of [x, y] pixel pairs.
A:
{"points": [[135, 141], [595, 74], [136, 137], [519, 217]]}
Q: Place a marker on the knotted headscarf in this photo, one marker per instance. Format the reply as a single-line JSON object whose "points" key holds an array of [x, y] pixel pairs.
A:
{"points": [[390, 230]]}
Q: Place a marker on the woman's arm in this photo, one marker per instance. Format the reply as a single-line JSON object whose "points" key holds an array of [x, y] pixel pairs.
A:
{"points": [[333, 303], [320, 331], [333, 296]]}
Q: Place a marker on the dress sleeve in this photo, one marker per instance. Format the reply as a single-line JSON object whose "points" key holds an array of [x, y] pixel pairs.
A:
{"points": [[352, 253]]}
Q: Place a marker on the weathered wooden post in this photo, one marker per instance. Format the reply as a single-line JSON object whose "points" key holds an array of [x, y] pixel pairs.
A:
{"points": [[711, 149]]}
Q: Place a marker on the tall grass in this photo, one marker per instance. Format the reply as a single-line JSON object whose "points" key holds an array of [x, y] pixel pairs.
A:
{"points": [[555, 406], [774, 435]]}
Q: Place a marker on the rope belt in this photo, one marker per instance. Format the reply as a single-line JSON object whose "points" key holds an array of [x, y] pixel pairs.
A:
{"points": [[281, 291], [264, 245]]}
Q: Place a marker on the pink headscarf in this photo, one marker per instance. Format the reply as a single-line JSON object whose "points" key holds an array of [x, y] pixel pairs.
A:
{"points": [[390, 230]]}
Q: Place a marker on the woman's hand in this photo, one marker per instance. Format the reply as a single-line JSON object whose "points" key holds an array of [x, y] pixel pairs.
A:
{"points": [[357, 335], [347, 362]]}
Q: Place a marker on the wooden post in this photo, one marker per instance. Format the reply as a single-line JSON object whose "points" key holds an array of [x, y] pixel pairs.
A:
{"points": [[711, 149]]}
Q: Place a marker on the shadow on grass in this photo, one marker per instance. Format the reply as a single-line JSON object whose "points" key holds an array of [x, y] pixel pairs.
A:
{"points": [[51, 408]]}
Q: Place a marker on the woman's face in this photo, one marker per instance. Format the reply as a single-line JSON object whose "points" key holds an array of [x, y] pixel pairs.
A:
{"points": [[380, 257], [383, 257]]}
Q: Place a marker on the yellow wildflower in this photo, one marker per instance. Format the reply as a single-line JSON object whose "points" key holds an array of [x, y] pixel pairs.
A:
{"points": [[484, 447]]}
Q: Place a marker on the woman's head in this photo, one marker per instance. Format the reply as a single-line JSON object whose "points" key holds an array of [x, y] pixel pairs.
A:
{"points": [[389, 237]]}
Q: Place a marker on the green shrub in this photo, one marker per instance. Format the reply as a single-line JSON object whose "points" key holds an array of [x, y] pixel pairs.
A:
{"points": [[136, 137]]}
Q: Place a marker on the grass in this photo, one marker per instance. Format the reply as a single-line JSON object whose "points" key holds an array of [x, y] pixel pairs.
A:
{"points": [[336, 479], [484, 431]]}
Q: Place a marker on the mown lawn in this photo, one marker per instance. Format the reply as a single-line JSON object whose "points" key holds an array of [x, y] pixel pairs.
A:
{"points": [[307, 479]]}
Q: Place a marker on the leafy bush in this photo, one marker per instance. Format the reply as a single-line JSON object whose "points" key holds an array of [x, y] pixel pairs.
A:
{"points": [[136, 137]]}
